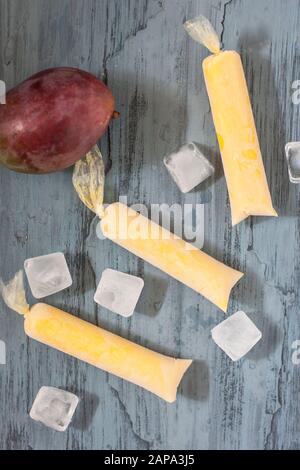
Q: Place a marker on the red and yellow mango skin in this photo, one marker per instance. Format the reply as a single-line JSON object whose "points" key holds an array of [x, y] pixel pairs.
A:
{"points": [[53, 119]]}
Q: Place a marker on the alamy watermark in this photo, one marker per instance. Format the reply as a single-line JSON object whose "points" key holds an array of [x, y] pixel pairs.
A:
{"points": [[296, 93], [2, 353], [296, 352], [184, 221], [2, 92]]}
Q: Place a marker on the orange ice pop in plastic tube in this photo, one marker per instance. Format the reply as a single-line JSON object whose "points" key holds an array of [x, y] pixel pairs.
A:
{"points": [[235, 127], [155, 372], [151, 242]]}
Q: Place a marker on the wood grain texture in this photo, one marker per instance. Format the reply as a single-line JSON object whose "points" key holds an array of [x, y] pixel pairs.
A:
{"points": [[141, 50]]}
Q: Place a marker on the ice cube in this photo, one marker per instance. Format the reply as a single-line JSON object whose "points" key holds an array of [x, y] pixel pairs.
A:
{"points": [[292, 151], [54, 408], [236, 335], [119, 292], [188, 167], [47, 274]]}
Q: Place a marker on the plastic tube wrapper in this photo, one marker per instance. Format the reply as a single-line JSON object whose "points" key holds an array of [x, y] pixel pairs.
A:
{"points": [[235, 127], [155, 372], [152, 243]]}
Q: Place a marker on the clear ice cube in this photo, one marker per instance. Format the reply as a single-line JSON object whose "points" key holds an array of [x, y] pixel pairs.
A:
{"points": [[119, 292], [54, 408], [188, 167], [47, 274], [292, 152], [236, 335]]}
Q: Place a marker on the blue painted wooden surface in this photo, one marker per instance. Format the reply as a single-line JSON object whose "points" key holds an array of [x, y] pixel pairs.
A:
{"points": [[140, 48]]}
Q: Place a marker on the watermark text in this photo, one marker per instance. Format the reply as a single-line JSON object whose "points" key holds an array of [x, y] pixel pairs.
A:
{"points": [[296, 352], [158, 222], [2, 92], [2, 353]]}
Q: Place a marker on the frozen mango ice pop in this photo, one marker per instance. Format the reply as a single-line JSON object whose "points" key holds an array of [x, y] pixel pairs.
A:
{"points": [[155, 372], [235, 127], [171, 254], [150, 242]]}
